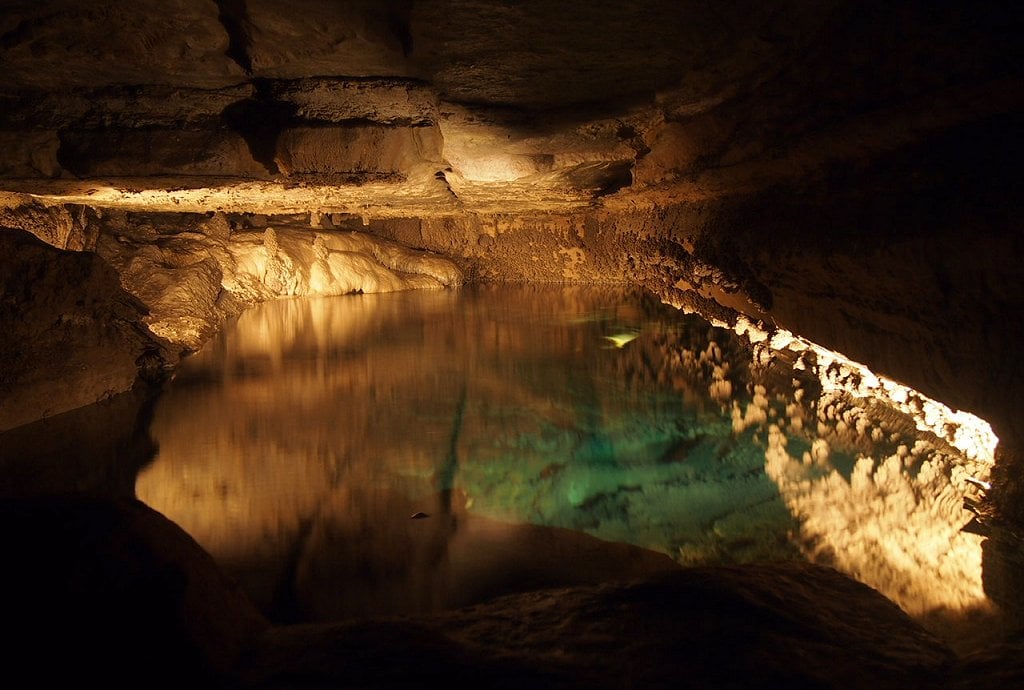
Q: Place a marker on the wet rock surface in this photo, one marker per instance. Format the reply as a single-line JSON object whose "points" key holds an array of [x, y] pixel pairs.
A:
{"points": [[193, 272], [771, 626], [843, 170], [72, 335], [109, 591], [134, 593]]}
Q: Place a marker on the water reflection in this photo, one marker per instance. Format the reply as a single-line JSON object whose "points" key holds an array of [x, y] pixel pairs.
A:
{"points": [[97, 449], [512, 422]]}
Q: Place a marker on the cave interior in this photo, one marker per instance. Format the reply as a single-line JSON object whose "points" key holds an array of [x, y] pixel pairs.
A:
{"points": [[845, 173]]}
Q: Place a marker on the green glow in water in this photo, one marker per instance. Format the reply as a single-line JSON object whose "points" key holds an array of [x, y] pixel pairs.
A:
{"points": [[576, 408]]}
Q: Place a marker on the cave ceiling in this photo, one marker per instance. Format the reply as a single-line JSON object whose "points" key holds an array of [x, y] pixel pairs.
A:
{"points": [[845, 170], [404, 108]]}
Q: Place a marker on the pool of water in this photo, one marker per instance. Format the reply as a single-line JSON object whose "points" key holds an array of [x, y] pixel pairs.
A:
{"points": [[409, 452]]}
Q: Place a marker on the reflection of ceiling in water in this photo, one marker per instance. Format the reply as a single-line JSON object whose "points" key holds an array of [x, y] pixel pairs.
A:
{"points": [[320, 426]]}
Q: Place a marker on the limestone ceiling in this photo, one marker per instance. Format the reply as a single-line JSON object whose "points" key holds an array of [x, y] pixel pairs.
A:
{"points": [[400, 108]]}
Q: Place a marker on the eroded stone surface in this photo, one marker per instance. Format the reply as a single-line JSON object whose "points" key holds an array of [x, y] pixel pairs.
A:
{"points": [[110, 592], [61, 44], [192, 274], [797, 626], [71, 335], [844, 170]]}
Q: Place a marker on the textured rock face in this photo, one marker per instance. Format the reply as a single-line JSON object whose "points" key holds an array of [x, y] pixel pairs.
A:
{"points": [[191, 273], [853, 146], [71, 335], [844, 170], [67, 44], [110, 591], [733, 628], [133, 593]]}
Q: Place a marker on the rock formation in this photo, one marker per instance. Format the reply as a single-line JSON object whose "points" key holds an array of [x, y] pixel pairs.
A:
{"points": [[845, 171]]}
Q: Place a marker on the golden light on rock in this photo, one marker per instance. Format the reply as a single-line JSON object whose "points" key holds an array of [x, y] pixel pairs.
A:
{"points": [[893, 521], [964, 431], [900, 533], [190, 166], [318, 400]]}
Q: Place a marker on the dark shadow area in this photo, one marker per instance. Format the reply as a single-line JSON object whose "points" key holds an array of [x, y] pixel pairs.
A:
{"points": [[1003, 578], [98, 449], [106, 591], [260, 121], [233, 17]]}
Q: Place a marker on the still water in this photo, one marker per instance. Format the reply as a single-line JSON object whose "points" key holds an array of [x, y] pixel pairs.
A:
{"points": [[413, 451]]}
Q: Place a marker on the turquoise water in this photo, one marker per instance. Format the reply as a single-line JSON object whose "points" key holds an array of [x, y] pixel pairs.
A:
{"points": [[413, 451]]}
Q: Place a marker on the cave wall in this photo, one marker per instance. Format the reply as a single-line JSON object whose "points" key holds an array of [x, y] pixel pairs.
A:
{"points": [[72, 334], [844, 170]]}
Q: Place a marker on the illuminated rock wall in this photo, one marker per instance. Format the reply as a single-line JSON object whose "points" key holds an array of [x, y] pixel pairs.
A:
{"points": [[71, 333], [192, 276], [843, 170]]}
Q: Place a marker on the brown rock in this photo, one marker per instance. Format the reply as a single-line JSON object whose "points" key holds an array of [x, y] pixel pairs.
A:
{"points": [[71, 334], [108, 591]]}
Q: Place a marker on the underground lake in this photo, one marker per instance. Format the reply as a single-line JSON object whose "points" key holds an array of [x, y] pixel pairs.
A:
{"points": [[418, 451], [411, 452]]}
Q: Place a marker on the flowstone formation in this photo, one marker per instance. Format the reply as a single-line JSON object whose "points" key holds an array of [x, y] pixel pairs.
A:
{"points": [[192, 277], [75, 338]]}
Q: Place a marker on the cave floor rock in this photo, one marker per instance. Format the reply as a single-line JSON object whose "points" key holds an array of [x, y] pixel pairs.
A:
{"points": [[791, 625], [109, 591]]}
